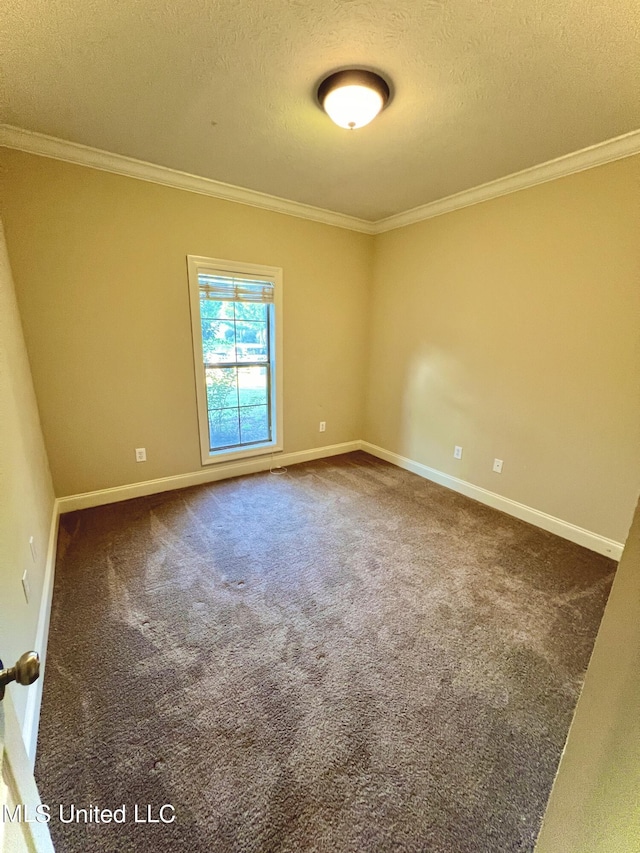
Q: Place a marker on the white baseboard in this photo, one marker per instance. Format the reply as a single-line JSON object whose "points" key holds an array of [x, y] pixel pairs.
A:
{"points": [[207, 475], [565, 529], [34, 699]]}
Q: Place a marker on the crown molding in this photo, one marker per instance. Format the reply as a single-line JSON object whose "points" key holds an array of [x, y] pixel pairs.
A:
{"points": [[595, 155], [118, 164], [72, 152]]}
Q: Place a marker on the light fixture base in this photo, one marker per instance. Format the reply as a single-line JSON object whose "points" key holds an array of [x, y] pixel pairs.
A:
{"points": [[353, 97]]}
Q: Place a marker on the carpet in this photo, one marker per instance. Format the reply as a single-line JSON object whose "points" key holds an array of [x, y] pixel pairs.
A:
{"points": [[345, 657]]}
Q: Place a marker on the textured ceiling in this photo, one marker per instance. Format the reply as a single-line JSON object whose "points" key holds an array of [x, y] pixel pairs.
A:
{"points": [[225, 89]]}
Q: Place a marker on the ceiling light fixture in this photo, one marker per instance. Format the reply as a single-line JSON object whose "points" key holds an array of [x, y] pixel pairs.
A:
{"points": [[354, 97]]}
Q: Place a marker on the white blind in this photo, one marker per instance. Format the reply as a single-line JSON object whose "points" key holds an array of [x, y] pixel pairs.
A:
{"points": [[225, 288]]}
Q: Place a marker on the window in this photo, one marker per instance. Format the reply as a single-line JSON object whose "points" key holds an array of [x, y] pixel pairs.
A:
{"points": [[237, 332]]}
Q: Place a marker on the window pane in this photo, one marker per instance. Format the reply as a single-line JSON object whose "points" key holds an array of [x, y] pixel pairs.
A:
{"points": [[213, 309], [222, 387], [223, 428], [252, 386], [218, 340], [254, 424], [251, 311], [251, 341]]}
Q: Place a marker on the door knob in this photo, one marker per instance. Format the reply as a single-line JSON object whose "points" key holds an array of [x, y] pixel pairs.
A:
{"points": [[26, 671]]}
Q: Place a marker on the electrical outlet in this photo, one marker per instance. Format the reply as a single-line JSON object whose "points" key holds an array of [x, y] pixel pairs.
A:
{"points": [[457, 452], [323, 426], [141, 454], [497, 466], [25, 586], [32, 546]]}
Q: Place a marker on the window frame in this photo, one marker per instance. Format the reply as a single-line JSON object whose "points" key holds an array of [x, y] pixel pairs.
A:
{"points": [[197, 264]]}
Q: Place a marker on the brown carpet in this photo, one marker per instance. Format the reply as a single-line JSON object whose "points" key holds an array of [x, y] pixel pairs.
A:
{"points": [[342, 658]]}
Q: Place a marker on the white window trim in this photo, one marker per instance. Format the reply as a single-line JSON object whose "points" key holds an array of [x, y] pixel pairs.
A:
{"points": [[195, 265]]}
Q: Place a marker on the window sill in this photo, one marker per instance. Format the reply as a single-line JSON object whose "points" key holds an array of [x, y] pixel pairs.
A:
{"points": [[245, 453]]}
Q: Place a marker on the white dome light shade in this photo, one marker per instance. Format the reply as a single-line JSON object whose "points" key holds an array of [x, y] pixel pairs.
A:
{"points": [[353, 98], [352, 106]]}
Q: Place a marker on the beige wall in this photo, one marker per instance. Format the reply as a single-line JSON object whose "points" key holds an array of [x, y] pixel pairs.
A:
{"points": [[594, 803], [26, 492], [512, 328], [99, 263]]}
